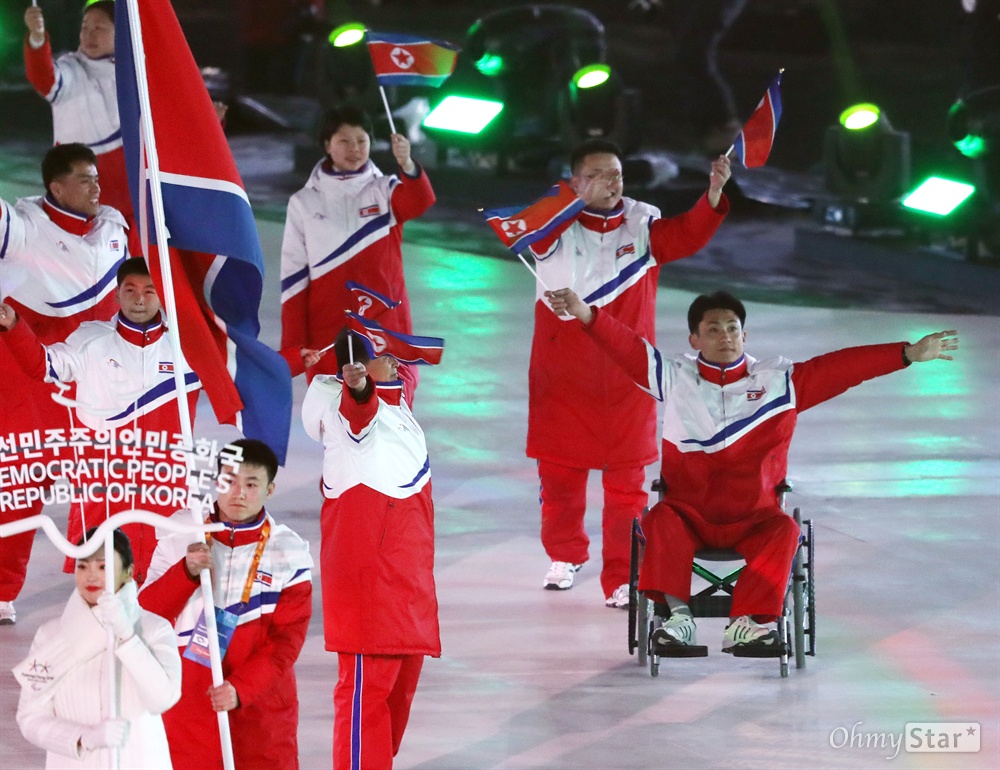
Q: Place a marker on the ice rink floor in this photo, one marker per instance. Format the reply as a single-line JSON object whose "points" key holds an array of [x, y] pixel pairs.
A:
{"points": [[900, 476]]}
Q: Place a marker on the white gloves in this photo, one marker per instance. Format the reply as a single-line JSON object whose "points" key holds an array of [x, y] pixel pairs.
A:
{"points": [[108, 734], [111, 613]]}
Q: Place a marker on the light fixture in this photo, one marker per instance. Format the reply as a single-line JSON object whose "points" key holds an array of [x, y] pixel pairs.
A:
{"points": [[937, 195], [347, 35], [859, 116], [464, 114], [591, 76]]}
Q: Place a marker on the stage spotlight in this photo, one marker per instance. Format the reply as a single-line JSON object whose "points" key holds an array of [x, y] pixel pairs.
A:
{"points": [[346, 35], [864, 158], [937, 195], [464, 114], [974, 122], [539, 69]]}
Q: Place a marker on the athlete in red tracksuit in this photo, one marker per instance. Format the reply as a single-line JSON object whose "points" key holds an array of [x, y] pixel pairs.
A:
{"points": [[58, 259], [727, 426], [583, 412], [262, 574], [80, 87], [377, 552], [124, 375], [346, 224]]}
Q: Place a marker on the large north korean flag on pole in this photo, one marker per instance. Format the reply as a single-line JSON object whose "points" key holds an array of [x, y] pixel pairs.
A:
{"points": [[214, 251], [406, 60]]}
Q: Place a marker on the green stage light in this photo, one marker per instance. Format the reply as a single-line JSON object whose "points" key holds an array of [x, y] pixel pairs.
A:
{"points": [[464, 114], [490, 65], [938, 196], [347, 34], [860, 116], [591, 76]]}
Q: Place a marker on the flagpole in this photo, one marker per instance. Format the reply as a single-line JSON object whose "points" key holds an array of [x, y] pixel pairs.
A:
{"points": [[170, 309], [388, 112]]}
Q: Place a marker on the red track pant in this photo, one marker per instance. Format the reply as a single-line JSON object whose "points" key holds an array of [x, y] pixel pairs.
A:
{"points": [[371, 704], [15, 552], [766, 538], [564, 503]]}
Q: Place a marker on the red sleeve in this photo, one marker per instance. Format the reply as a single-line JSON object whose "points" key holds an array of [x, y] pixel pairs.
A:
{"points": [[359, 415], [294, 322], [38, 66], [638, 359], [26, 349], [167, 595], [408, 374], [412, 196], [681, 236], [286, 634], [823, 377]]}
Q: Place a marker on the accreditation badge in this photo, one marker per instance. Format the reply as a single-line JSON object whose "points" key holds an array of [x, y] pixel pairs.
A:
{"points": [[197, 648]]}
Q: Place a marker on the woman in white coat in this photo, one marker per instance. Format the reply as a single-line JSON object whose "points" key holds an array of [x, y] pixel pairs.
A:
{"points": [[64, 681]]}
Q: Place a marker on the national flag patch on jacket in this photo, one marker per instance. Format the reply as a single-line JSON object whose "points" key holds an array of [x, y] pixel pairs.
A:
{"points": [[407, 60]]}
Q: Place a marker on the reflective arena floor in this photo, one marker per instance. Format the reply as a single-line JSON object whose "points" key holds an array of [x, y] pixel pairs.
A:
{"points": [[901, 477]]}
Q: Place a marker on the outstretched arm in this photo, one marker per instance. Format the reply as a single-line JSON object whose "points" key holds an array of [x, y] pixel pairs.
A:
{"points": [[826, 376], [640, 361]]}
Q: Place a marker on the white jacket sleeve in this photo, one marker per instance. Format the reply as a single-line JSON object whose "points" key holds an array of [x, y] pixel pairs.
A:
{"points": [[151, 659], [12, 233], [36, 714]]}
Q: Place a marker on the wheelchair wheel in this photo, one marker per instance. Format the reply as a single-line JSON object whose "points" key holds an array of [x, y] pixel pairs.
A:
{"points": [[810, 587], [798, 598], [642, 627]]}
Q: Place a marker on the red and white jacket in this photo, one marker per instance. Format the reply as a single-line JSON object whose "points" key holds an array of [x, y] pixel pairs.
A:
{"points": [[84, 104], [727, 430], [377, 525], [339, 228], [124, 372], [82, 93], [58, 268], [584, 412], [271, 629]]}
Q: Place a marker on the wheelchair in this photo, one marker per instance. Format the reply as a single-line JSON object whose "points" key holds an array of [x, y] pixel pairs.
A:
{"points": [[796, 626]]}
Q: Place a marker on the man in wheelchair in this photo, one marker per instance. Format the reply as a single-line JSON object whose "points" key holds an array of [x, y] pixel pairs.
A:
{"points": [[727, 426]]}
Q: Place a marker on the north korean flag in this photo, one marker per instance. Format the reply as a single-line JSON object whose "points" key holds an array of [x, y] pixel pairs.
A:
{"points": [[406, 60]]}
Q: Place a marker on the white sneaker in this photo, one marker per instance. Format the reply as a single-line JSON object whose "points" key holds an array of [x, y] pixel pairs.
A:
{"points": [[746, 632], [679, 629], [8, 616], [618, 599], [560, 576]]}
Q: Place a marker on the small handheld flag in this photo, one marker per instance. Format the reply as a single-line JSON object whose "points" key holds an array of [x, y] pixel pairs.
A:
{"points": [[405, 348], [753, 144], [519, 228], [407, 60], [371, 304]]}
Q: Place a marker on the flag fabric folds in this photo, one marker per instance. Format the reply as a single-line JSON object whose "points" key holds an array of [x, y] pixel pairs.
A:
{"points": [[214, 249], [371, 304], [753, 144], [407, 60], [405, 348], [518, 228]]}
